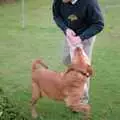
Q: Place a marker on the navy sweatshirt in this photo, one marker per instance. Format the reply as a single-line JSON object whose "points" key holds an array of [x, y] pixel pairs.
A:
{"points": [[84, 17]]}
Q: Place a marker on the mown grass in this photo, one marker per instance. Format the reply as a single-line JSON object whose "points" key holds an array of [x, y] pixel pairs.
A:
{"points": [[42, 39]]}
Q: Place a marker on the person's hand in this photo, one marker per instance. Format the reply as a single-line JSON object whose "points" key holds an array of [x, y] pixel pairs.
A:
{"points": [[70, 33], [74, 41]]}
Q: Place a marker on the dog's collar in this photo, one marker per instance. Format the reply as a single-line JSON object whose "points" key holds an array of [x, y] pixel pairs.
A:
{"points": [[73, 68], [82, 72]]}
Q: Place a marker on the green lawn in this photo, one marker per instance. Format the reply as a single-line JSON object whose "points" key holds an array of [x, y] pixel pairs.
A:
{"points": [[42, 39]]}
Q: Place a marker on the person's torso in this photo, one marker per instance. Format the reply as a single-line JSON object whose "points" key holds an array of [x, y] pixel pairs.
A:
{"points": [[74, 15]]}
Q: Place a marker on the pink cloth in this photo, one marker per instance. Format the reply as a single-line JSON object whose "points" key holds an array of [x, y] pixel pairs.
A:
{"points": [[74, 40], [72, 47]]}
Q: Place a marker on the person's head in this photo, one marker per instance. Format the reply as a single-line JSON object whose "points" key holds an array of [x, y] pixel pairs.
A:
{"points": [[66, 1]]}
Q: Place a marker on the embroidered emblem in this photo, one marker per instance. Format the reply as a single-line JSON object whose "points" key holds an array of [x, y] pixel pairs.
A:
{"points": [[72, 17]]}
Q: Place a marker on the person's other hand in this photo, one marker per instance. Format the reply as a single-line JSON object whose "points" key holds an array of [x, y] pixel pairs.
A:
{"points": [[74, 41], [70, 33]]}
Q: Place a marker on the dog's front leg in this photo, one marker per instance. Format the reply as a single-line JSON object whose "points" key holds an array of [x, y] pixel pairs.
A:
{"points": [[35, 97]]}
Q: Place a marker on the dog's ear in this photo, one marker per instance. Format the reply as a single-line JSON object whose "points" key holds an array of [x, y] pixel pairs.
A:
{"points": [[70, 68], [67, 71], [90, 70]]}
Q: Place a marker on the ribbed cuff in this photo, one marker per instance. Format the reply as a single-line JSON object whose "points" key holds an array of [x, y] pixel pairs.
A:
{"points": [[82, 37], [64, 29]]}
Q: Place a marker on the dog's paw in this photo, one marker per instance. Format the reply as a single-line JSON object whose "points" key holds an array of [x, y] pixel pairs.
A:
{"points": [[34, 114], [39, 118]]}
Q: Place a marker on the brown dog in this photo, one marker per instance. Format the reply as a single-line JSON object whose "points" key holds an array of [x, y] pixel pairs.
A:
{"points": [[67, 86]]}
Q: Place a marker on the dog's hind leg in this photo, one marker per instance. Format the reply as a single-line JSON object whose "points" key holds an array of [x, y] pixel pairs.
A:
{"points": [[35, 96]]}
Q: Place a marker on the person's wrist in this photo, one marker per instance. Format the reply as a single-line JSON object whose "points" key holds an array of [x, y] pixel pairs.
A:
{"points": [[82, 37], [79, 38], [66, 31]]}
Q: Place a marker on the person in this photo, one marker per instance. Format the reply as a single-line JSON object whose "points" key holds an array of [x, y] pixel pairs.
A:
{"points": [[81, 21]]}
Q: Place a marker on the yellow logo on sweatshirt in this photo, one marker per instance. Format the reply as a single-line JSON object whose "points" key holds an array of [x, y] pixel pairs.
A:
{"points": [[72, 17]]}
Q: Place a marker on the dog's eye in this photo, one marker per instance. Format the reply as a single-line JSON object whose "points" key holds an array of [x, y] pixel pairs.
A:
{"points": [[90, 70]]}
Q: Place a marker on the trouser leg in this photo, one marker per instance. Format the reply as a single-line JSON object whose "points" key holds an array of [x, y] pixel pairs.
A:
{"points": [[88, 48]]}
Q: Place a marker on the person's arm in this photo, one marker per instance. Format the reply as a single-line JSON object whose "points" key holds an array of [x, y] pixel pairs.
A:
{"points": [[56, 15], [95, 20]]}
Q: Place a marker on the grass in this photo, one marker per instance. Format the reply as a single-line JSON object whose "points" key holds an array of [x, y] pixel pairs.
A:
{"points": [[41, 38]]}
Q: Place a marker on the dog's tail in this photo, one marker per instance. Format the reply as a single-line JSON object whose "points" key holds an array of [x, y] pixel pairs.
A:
{"points": [[34, 65]]}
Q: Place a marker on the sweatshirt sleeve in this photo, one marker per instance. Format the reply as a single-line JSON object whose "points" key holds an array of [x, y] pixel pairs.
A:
{"points": [[95, 20], [57, 16]]}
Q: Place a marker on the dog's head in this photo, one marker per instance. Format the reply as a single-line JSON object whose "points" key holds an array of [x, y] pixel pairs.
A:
{"points": [[81, 62]]}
